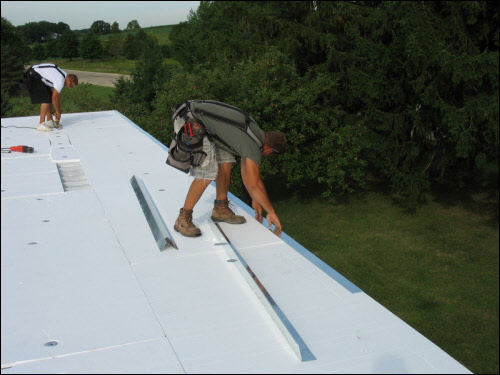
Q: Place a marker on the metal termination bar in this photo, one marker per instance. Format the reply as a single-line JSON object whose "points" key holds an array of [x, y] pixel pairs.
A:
{"points": [[160, 232], [289, 332]]}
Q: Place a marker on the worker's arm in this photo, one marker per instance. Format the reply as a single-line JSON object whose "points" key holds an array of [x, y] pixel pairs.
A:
{"points": [[56, 102], [250, 174]]}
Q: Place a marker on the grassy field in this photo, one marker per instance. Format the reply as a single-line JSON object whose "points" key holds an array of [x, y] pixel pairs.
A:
{"points": [[436, 269], [160, 32]]}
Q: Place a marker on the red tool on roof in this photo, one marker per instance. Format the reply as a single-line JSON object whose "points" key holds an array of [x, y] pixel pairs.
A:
{"points": [[18, 149]]}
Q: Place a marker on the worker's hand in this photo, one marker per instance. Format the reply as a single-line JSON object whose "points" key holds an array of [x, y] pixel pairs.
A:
{"points": [[272, 218], [258, 211]]}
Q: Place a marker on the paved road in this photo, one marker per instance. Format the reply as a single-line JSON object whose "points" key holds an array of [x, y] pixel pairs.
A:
{"points": [[101, 79]]}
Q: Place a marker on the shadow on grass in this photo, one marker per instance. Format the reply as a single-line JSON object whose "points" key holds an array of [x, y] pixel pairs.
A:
{"points": [[278, 192], [482, 202]]}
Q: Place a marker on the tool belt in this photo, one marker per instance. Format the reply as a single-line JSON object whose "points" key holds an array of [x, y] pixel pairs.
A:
{"points": [[186, 149]]}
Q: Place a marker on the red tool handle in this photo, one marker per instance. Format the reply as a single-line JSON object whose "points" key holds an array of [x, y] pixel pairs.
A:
{"points": [[21, 148]]}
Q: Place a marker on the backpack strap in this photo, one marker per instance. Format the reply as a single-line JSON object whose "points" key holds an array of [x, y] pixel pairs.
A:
{"points": [[181, 111]]}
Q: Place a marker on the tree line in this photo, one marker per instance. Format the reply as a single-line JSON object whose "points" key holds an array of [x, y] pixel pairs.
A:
{"points": [[90, 46], [403, 93], [57, 40], [33, 32]]}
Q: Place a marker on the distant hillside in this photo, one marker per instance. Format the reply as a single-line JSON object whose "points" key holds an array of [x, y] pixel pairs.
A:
{"points": [[160, 32]]}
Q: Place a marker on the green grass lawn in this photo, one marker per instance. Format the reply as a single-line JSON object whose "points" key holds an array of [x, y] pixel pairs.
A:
{"points": [[160, 32], [436, 269]]}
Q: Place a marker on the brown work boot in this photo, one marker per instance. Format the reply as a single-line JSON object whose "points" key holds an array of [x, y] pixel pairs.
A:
{"points": [[184, 224], [222, 212]]}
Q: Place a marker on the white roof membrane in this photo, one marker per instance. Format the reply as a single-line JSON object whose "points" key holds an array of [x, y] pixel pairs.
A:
{"points": [[86, 288]]}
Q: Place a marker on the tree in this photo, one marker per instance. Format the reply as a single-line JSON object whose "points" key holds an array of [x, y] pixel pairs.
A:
{"points": [[133, 25], [53, 48], [149, 73], [14, 55], [90, 47], [166, 51], [100, 27], [114, 45], [38, 52], [130, 47], [41, 31], [61, 28], [69, 44], [115, 28]]}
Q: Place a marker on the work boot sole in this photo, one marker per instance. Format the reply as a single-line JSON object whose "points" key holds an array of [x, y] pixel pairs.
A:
{"points": [[185, 234], [229, 221]]}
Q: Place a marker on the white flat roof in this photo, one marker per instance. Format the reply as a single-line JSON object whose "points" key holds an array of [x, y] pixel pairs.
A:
{"points": [[86, 289]]}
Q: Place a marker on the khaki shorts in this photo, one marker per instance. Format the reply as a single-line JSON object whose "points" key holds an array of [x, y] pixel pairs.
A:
{"points": [[210, 166]]}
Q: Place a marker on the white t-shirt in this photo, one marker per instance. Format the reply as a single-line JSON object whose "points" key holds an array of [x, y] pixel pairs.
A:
{"points": [[51, 76]]}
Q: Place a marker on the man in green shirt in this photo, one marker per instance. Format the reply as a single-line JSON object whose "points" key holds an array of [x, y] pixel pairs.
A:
{"points": [[228, 140]]}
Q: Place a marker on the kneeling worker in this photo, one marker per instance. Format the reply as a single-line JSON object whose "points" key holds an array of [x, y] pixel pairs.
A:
{"points": [[45, 83], [226, 140]]}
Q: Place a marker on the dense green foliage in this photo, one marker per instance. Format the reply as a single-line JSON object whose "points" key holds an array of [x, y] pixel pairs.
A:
{"points": [[69, 45], [90, 47], [133, 25], [14, 55], [404, 92], [33, 32], [100, 27]]}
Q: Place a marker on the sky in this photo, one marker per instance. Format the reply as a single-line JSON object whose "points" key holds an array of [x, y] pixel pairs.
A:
{"points": [[81, 14]]}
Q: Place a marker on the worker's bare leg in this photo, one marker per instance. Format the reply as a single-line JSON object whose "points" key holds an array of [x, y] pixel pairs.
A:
{"points": [[222, 181], [221, 211], [195, 192], [45, 112]]}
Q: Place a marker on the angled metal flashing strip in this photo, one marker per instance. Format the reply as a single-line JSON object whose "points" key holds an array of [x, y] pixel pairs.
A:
{"points": [[289, 332], [158, 227]]}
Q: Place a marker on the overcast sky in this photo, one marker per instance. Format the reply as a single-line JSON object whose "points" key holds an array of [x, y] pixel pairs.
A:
{"points": [[81, 14]]}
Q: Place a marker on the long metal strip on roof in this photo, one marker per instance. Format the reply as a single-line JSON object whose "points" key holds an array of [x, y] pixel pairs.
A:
{"points": [[158, 228], [286, 327]]}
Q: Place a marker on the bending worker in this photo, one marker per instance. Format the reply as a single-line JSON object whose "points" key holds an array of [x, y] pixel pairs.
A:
{"points": [[231, 132], [45, 83]]}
